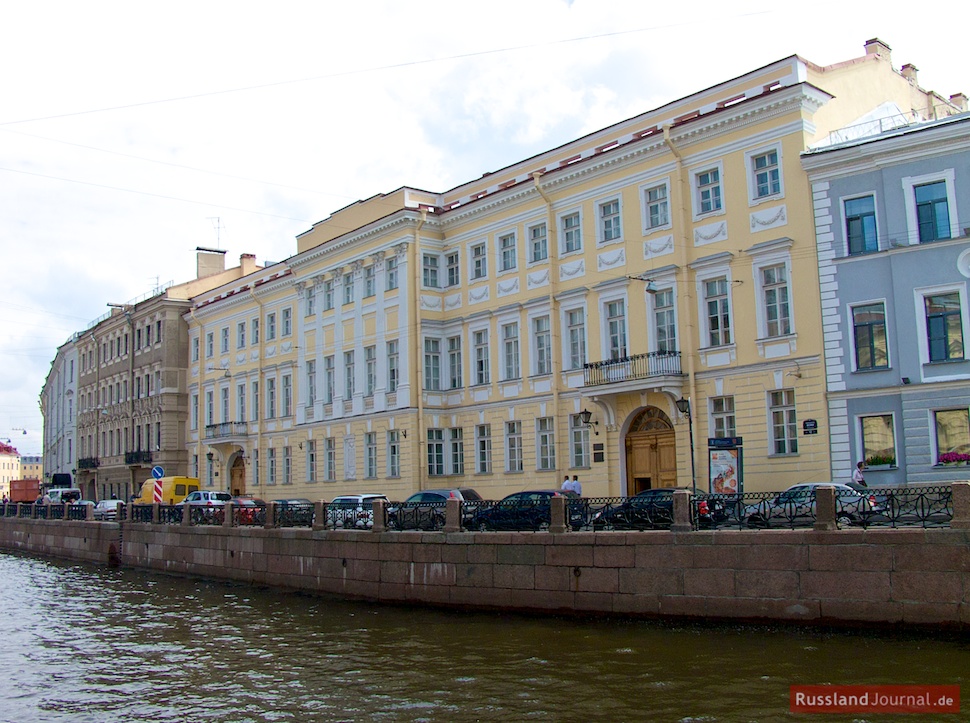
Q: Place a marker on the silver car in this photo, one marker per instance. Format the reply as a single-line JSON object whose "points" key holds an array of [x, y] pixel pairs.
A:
{"points": [[353, 511], [795, 507]]}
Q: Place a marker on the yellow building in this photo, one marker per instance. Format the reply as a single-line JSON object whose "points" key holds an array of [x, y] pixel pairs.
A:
{"points": [[547, 318]]}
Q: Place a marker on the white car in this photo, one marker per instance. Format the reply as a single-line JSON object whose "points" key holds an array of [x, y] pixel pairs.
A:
{"points": [[107, 509], [353, 511], [795, 507]]}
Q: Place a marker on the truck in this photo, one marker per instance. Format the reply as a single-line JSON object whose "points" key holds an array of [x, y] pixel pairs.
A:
{"points": [[64, 495], [24, 490], [166, 490]]}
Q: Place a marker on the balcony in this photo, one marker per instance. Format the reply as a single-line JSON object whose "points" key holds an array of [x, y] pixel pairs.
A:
{"points": [[139, 457], [654, 365], [88, 463], [226, 431]]}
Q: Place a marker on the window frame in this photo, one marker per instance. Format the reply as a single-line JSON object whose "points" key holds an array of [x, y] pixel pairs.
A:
{"points": [[542, 241], [910, 183], [646, 202], [696, 189], [514, 457], [507, 251], [478, 261], [854, 337], [864, 453], [846, 218], [922, 321], [750, 160], [570, 235], [787, 445], [545, 444], [609, 227]]}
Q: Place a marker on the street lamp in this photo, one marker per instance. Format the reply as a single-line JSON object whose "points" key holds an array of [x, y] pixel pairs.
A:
{"points": [[585, 416], [683, 406]]}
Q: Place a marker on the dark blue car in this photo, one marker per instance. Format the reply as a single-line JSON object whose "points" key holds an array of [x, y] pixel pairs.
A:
{"points": [[529, 510]]}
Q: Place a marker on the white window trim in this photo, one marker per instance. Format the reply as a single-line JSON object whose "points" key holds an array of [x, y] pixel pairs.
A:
{"points": [[645, 206], [663, 283], [844, 232], [470, 256], [705, 333], [441, 270], [499, 271], [695, 201], [931, 426], [561, 234], [850, 333], [909, 191], [532, 341], [922, 340], [604, 300], [781, 258], [600, 241], [472, 364], [564, 342], [528, 241], [749, 156], [860, 449]]}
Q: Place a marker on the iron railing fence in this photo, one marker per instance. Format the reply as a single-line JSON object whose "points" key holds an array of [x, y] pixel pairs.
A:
{"points": [[520, 515], [249, 515], [293, 514], [350, 515], [77, 512], [930, 506], [428, 516], [141, 513], [206, 514], [167, 514], [638, 366]]}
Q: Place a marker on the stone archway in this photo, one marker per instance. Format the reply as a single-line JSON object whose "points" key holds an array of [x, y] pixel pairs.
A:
{"points": [[651, 452]]}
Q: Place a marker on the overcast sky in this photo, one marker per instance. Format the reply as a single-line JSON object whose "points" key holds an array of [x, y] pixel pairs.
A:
{"points": [[132, 132]]}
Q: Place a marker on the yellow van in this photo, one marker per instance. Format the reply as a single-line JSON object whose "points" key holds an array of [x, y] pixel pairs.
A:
{"points": [[166, 490]]}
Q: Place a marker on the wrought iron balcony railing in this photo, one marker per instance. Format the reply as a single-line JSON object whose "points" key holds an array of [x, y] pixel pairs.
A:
{"points": [[88, 463], [639, 366], [226, 429], [139, 457]]}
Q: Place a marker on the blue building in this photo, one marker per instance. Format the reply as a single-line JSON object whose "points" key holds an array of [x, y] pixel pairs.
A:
{"points": [[892, 216]]}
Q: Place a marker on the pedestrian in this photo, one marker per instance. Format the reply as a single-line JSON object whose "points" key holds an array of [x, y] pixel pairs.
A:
{"points": [[567, 485], [577, 487], [857, 475]]}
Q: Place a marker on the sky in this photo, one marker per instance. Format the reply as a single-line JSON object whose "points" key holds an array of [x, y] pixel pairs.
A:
{"points": [[133, 132]]}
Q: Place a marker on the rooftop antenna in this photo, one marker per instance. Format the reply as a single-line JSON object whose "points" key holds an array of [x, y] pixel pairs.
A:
{"points": [[217, 225]]}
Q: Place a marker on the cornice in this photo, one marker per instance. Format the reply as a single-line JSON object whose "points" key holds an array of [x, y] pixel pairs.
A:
{"points": [[404, 219]]}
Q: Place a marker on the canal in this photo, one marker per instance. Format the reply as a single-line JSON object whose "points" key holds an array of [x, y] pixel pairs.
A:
{"points": [[83, 643]]}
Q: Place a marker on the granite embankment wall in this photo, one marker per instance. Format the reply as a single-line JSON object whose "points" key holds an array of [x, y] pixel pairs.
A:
{"points": [[852, 576]]}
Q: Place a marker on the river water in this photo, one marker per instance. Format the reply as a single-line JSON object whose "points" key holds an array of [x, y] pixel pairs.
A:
{"points": [[84, 643]]}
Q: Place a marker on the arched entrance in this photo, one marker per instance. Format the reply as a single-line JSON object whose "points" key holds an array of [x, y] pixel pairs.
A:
{"points": [[651, 452], [237, 477]]}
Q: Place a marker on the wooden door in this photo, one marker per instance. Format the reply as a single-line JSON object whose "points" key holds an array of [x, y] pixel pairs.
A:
{"points": [[651, 460], [237, 477]]}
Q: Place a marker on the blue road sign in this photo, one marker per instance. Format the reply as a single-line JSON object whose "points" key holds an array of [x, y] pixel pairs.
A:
{"points": [[158, 472]]}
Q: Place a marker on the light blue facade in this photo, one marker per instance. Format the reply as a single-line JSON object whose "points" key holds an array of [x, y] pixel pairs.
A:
{"points": [[892, 216]]}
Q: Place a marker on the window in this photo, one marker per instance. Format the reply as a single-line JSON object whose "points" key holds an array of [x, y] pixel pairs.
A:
{"points": [[270, 398], [616, 326], [348, 374], [932, 211], [329, 379], [348, 288], [784, 429], [392, 370], [860, 225], [430, 271], [311, 382], [775, 287], [271, 466], [393, 453], [483, 448], [944, 326], [610, 220], [330, 459], [311, 301], [224, 404], [255, 466], [254, 331], [510, 350], [370, 454], [328, 294], [718, 311], [658, 213], [454, 273], [370, 369], [766, 174], [137, 341], [255, 412], [454, 362], [193, 418], [209, 345], [952, 431], [456, 449], [436, 452], [481, 357], [576, 328], [241, 335], [722, 417], [287, 381], [195, 349], [507, 249], [538, 243], [270, 326], [311, 460], [241, 402], [543, 341], [210, 412], [663, 316], [869, 334], [287, 465], [287, 322], [708, 185], [572, 237], [479, 262], [545, 443], [513, 447], [370, 285], [578, 442], [390, 274], [878, 439], [148, 334], [432, 364]]}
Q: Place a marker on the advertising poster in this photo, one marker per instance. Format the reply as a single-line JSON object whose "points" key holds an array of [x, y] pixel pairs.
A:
{"points": [[725, 466]]}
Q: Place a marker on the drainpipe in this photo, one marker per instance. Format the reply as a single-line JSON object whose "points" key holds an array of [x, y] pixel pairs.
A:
{"points": [[417, 465], [685, 282], [555, 329]]}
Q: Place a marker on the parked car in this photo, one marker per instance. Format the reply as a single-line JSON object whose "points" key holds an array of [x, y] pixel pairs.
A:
{"points": [[425, 510], [249, 510], [528, 510], [294, 512], [207, 506], [654, 509], [795, 507], [353, 511], [107, 509]]}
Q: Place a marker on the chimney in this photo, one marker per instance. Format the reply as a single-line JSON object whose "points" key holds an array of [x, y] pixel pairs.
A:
{"points": [[247, 264], [878, 48], [960, 101], [209, 262], [909, 72]]}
